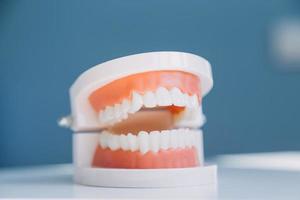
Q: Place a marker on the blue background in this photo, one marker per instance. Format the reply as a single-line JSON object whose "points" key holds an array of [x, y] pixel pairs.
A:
{"points": [[45, 45]]}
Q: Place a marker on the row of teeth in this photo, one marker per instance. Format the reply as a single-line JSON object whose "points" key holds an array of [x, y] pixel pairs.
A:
{"points": [[160, 97], [153, 141]]}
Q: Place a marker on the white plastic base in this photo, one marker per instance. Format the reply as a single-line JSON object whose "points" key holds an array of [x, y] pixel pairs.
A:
{"points": [[147, 178]]}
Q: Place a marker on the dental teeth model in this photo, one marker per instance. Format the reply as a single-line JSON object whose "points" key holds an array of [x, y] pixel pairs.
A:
{"points": [[137, 121]]}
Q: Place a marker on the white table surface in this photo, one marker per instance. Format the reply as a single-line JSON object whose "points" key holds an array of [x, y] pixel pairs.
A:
{"points": [[55, 181]]}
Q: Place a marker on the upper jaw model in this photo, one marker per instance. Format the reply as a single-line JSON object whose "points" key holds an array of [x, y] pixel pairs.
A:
{"points": [[143, 111]]}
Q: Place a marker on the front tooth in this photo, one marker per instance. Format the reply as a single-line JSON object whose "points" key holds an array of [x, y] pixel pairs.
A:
{"points": [[163, 97], [177, 97], [164, 140], [136, 103], [143, 142], [149, 100], [132, 142], [113, 142], [186, 100], [174, 139], [101, 116], [154, 141], [124, 142]]}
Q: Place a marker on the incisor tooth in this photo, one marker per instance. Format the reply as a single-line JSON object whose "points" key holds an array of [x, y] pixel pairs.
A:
{"points": [[149, 100], [163, 97], [136, 103], [143, 142], [177, 97]]}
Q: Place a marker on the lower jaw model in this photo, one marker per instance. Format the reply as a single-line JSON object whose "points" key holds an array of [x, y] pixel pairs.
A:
{"points": [[141, 112]]}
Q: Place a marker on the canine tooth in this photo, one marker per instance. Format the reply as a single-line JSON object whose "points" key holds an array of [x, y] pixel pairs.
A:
{"points": [[177, 97], [132, 142], [154, 141], [149, 100], [143, 139], [164, 140], [194, 101], [174, 139], [136, 103], [124, 142], [113, 142], [163, 97], [103, 139]]}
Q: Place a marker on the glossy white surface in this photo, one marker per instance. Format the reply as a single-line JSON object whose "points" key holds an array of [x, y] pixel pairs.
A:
{"points": [[56, 181]]}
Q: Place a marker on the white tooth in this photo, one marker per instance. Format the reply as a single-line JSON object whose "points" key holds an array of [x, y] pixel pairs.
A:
{"points": [[186, 100], [193, 138], [163, 97], [174, 139], [143, 138], [187, 141], [165, 140], [125, 106], [113, 142], [132, 142], [154, 141], [194, 102], [101, 116], [103, 139], [109, 114], [181, 137], [136, 103], [124, 142], [197, 139], [177, 97], [117, 112], [149, 100]]}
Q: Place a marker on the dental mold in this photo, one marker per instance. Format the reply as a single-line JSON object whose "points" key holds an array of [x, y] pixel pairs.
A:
{"points": [[137, 120]]}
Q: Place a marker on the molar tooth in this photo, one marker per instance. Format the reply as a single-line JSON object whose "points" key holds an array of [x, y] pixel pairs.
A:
{"points": [[186, 100], [117, 112], [181, 137], [103, 139], [177, 97], [125, 106], [109, 113], [163, 97], [143, 142], [136, 103], [113, 142], [124, 142], [132, 142], [164, 140], [194, 101], [154, 141], [149, 100], [174, 139]]}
